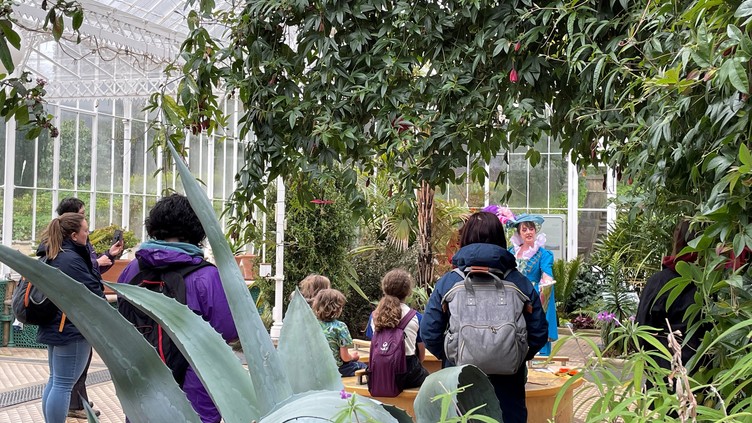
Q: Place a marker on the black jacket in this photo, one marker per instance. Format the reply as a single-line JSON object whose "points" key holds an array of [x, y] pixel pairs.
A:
{"points": [[652, 311], [75, 261]]}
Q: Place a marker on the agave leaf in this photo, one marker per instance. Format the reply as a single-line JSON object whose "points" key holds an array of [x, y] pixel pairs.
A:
{"points": [[304, 351], [144, 385], [399, 414], [267, 373], [479, 392], [328, 406], [225, 379]]}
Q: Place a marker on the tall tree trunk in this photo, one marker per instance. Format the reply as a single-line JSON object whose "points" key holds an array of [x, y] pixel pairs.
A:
{"points": [[425, 234]]}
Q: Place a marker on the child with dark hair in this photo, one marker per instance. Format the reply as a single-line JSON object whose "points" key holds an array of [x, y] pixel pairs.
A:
{"points": [[328, 305], [177, 234], [397, 284]]}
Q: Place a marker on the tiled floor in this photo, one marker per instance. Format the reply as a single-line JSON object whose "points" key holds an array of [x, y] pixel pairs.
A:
{"points": [[23, 373]]}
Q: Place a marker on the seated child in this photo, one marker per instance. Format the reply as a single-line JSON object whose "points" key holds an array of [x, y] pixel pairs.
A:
{"points": [[327, 305], [311, 285], [397, 285]]}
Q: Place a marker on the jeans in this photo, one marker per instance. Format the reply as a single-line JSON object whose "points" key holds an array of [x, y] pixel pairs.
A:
{"points": [[348, 369], [79, 395], [66, 362]]}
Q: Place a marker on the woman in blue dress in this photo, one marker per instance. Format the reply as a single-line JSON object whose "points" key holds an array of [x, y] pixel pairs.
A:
{"points": [[533, 261], [536, 262]]}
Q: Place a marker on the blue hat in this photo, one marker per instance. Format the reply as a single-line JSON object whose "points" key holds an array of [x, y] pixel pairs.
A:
{"points": [[525, 217]]}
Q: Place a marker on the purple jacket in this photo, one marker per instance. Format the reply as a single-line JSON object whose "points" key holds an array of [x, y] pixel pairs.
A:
{"points": [[204, 295]]}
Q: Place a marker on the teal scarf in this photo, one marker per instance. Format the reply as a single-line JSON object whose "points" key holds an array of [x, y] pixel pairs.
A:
{"points": [[182, 247]]}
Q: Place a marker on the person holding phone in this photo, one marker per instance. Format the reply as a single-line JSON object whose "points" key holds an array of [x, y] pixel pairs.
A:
{"points": [[101, 264]]}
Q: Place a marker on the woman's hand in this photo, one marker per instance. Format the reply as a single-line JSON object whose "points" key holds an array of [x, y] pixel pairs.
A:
{"points": [[116, 249], [104, 261]]}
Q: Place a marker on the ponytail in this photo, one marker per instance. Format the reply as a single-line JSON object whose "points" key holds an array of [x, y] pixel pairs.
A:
{"points": [[58, 229], [396, 285]]}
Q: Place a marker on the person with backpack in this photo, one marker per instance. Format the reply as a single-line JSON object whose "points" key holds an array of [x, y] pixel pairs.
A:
{"points": [[327, 306], [173, 263], [396, 350], [506, 311], [65, 247], [103, 263]]}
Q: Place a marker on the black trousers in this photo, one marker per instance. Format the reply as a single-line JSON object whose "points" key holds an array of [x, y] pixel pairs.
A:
{"points": [[79, 389], [510, 390], [414, 376]]}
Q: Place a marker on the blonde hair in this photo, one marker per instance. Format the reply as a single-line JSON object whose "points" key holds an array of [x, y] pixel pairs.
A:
{"points": [[328, 304], [312, 284], [58, 229], [396, 285]]}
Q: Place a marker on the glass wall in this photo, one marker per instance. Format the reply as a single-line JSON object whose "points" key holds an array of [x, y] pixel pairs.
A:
{"points": [[102, 157]]}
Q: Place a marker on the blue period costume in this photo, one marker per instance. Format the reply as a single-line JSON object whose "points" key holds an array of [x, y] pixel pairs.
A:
{"points": [[533, 268]]}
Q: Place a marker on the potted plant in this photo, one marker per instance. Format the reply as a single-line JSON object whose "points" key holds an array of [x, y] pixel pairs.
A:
{"points": [[101, 239]]}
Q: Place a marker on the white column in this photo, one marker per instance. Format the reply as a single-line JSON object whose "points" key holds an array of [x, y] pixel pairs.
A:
{"points": [[610, 197], [279, 276], [56, 166], [573, 191], [127, 158], [9, 187]]}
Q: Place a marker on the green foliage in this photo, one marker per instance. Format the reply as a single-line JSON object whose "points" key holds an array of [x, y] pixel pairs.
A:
{"points": [[565, 274], [19, 96], [319, 237], [102, 238], [371, 266], [586, 289]]}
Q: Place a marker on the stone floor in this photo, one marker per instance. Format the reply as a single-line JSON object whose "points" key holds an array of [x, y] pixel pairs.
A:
{"points": [[24, 371]]}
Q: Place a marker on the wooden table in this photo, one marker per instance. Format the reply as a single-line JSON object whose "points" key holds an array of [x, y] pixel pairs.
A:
{"points": [[540, 391]]}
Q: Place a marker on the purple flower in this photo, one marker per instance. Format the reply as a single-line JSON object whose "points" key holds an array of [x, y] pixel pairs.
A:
{"points": [[344, 394], [631, 318]]}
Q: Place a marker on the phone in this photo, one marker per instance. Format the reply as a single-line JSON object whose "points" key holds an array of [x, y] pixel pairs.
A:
{"points": [[118, 236]]}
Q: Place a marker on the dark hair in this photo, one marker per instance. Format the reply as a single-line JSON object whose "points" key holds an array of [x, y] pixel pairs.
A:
{"points": [[328, 304], [483, 227], [58, 230], [529, 225], [396, 286], [682, 235], [173, 217], [69, 205]]}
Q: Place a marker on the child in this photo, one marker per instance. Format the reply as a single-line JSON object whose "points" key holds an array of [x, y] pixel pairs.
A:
{"points": [[327, 305], [397, 285], [311, 285]]}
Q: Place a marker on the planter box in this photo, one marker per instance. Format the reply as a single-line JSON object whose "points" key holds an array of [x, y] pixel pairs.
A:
{"points": [[247, 264]]}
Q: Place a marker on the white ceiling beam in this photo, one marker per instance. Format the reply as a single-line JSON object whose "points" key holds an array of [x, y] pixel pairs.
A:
{"points": [[139, 28]]}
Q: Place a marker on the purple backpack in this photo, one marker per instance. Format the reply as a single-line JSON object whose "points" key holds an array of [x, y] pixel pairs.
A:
{"points": [[387, 359]]}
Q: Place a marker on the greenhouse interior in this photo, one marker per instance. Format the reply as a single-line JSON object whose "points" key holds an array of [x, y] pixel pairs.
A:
{"points": [[323, 169]]}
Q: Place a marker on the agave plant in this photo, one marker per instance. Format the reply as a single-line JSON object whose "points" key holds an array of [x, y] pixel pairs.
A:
{"points": [[298, 380]]}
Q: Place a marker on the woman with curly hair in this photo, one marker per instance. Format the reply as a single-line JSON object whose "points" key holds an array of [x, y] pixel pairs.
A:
{"points": [[176, 235], [328, 305], [397, 284]]}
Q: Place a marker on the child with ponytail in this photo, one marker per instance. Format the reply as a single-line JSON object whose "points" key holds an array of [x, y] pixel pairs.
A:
{"points": [[397, 284]]}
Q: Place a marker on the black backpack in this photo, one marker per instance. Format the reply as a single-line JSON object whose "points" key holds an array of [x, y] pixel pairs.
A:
{"points": [[30, 305], [170, 281]]}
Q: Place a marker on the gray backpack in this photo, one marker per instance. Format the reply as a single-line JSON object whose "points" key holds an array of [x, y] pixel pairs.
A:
{"points": [[486, 323]]}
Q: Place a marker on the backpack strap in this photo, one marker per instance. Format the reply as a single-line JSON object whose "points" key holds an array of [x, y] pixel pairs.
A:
{"points": [[171, 275], [406, 320]]}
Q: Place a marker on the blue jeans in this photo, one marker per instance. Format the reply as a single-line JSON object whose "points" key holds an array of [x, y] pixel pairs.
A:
{"points": [[67, 363], [348, 369]]}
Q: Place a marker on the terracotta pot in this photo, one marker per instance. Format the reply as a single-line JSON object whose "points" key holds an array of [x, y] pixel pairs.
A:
{"points": [[113, 273], [247, 263]]}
